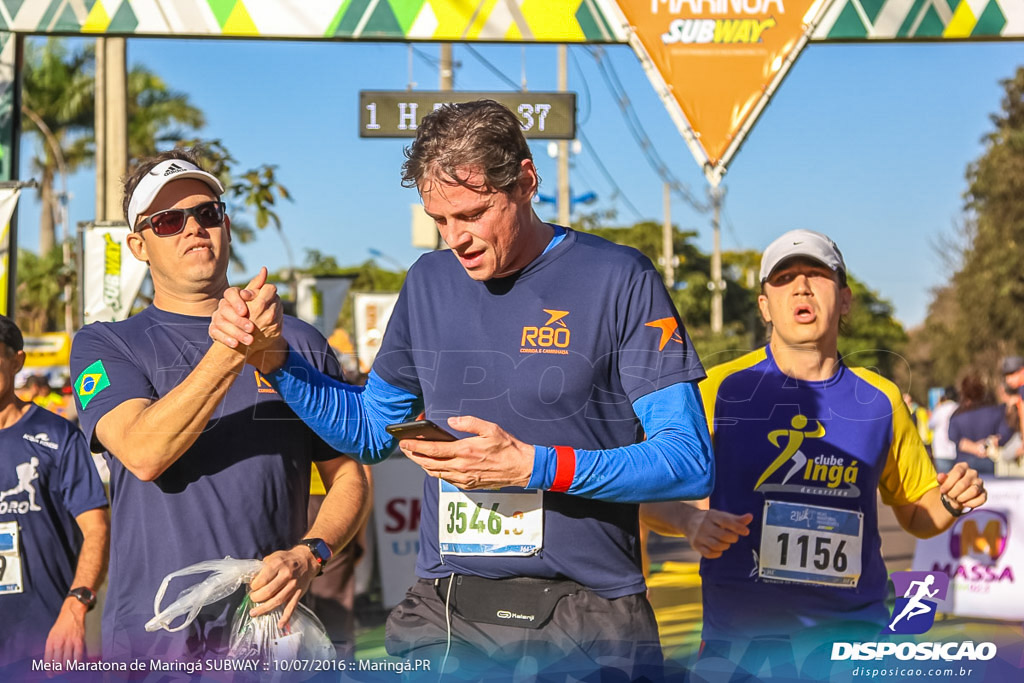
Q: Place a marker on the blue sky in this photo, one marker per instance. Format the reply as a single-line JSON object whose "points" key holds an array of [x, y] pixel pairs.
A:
{"points": [[867, 143]]}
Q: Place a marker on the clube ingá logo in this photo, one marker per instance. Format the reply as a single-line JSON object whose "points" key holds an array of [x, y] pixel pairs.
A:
{"points": [[916, 596]]}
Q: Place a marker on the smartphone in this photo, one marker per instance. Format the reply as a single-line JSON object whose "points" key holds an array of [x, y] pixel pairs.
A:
{"points": [[420, 429]]}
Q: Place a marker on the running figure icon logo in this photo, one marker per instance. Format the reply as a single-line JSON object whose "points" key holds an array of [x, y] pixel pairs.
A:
{"points": [[915, 611]]}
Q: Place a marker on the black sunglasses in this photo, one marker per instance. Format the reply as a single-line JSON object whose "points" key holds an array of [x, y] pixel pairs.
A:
{"points": [[172, 221]]}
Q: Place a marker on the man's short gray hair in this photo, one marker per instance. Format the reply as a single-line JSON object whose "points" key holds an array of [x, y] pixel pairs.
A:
{"points": [[456, 138]]}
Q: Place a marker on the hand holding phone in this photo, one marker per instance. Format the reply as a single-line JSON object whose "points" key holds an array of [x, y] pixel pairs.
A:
{"points": [[420, 429]]}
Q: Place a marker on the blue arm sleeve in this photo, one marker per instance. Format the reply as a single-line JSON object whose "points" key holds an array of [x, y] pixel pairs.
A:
{"points": [[674, 463], [349, 419]]}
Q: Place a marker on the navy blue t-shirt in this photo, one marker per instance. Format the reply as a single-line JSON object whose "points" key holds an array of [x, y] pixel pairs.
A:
{"points": [[977, 425], [47, 478], [240, 490], [555, 354]]}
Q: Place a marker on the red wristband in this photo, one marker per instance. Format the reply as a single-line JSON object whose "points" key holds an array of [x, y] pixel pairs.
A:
{"points": [[565, 469]]}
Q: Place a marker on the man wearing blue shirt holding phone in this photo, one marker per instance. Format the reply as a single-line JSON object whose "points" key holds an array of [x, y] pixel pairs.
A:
{"points": [[553, 354]]}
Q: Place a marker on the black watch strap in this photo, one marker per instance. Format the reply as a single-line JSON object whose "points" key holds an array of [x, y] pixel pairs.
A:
{"points": [[84, 595], [952, 510], [321, 551]]}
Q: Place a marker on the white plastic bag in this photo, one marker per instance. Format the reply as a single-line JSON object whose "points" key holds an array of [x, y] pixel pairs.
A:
{"points": [[259, 638], [225, 578]]}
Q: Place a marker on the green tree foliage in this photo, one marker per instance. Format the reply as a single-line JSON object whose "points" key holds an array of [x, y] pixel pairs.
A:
{"points": [[158, 117], [991, 283], [872, 337], [57, 107], [979, 315], [368, 277], [38, 298]]}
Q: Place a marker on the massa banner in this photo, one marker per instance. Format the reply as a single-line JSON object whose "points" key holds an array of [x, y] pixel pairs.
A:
{"points": [[716, 63]]}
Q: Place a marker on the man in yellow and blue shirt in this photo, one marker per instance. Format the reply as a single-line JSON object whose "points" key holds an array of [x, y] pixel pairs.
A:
{"points": [[803, 446]]}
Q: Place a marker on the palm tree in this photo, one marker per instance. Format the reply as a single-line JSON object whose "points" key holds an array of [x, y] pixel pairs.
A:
{"points": [[41, 281], [156, 114], [59, 106], [57, 103]]}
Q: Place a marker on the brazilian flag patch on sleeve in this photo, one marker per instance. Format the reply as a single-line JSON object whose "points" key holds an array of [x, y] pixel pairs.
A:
{"points": [[92, 381]]}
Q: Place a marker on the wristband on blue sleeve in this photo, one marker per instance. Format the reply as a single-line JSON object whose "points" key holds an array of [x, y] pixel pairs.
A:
{"points": [[674, 463]]}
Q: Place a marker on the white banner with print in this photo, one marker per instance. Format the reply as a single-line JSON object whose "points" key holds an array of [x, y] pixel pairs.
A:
{"points": [[983, 554], [318, 301], [8, 200], [111, 276], [372, 312], [397, 496]]}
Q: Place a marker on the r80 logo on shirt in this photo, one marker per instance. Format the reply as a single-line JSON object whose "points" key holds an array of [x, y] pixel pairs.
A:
{"points": [[551, 337]]}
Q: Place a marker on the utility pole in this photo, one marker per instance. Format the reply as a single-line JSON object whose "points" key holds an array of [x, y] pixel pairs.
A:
{"points": [[668, 253], [100, 129], [564, 200], [446, 79], [111, 126], [447, 75], [717, 285], [116, 110]]}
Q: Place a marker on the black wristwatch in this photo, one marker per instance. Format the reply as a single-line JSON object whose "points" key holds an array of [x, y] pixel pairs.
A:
{"points": [[83, 595], [321, 551], [952, 510]]}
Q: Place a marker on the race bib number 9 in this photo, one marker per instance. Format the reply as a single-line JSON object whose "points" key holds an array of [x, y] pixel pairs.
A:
{"points": [[490, 522], [811, 544], [10, 560]]}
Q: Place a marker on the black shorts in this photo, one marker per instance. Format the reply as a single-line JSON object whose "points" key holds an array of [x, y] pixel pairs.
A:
{"points": [[585, 633]]}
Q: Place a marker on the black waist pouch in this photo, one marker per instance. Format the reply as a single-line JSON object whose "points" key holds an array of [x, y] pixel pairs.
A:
{"points": [[524, 602]]}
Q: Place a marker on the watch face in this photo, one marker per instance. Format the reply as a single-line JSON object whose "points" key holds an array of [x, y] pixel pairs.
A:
{"points": [[83, 595], [321, 551]]}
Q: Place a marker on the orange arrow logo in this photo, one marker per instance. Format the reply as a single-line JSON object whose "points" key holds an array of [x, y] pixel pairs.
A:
{"points": [[669, 331], [556, 317]]}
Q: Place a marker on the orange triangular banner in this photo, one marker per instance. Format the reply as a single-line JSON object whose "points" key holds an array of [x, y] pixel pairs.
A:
{"points": [[719, 58]]}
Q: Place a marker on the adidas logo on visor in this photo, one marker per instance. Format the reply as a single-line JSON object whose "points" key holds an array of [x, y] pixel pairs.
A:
{"points": [[173, 168]]}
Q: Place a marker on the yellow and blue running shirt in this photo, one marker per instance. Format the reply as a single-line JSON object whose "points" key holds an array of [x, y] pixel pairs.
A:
{"points": [[805, 459]]}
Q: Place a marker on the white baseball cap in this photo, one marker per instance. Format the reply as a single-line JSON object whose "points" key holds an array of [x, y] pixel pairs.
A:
{"points": [[161, 174], [803, 243]]}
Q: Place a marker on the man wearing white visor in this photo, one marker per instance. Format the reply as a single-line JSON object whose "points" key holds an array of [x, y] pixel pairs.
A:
{"points": [[205, 460], [803, 446]]}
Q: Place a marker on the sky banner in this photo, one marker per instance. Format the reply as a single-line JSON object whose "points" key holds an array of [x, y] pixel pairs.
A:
{"points": [[111, 276], [716, 63]]}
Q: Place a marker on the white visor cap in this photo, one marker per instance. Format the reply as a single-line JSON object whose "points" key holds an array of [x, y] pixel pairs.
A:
{"points": [[805, 244], [161, 174]]}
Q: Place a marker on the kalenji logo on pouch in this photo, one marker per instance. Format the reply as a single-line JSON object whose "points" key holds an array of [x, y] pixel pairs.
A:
{"points": [[915, 611], [669, 328], [551, 337]]}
